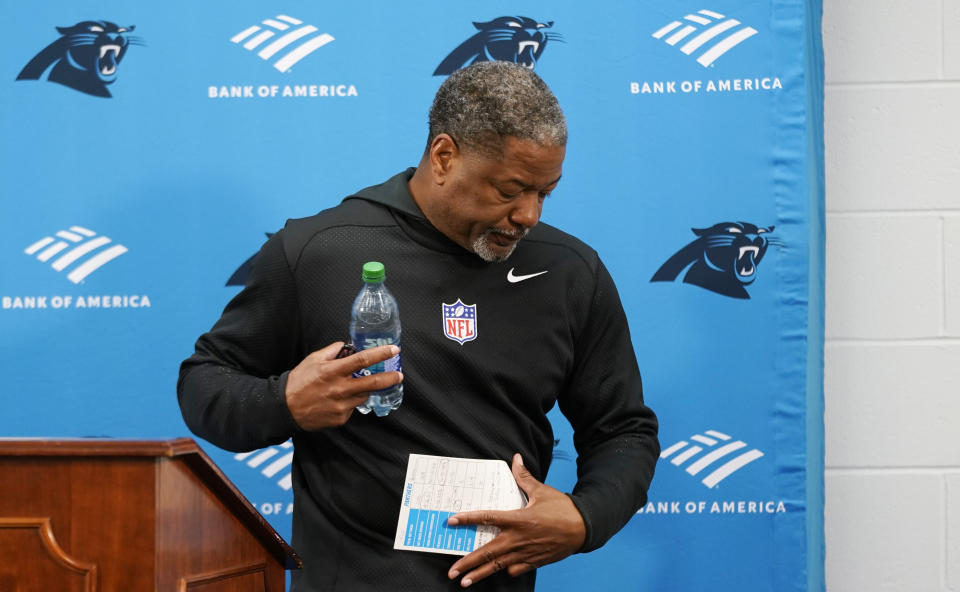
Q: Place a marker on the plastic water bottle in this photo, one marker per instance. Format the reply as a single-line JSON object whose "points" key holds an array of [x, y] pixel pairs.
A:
{"points": [[374, 321]]}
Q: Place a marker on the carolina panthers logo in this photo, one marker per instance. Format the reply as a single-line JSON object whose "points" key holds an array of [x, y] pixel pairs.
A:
{"points": [[723, 259], [85, 58], [515, 39]]}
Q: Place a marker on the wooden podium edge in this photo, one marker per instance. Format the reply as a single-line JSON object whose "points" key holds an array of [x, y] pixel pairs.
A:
{"points": [[190, 454], [204, 467], [94, 447]]}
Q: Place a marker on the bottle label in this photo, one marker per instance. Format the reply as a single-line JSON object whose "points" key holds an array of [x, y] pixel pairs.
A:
{"points": [[392, 365], [389, 365]]}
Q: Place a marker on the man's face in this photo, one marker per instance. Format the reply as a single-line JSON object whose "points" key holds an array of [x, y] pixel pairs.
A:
{"points": [[489, 203]]}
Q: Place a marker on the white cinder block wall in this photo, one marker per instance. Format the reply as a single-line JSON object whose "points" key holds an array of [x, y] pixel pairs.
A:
{"points": [[892, 377]]}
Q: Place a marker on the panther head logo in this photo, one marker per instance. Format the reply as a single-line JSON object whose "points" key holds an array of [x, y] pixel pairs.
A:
{"points": [[515, 39], [723, 259], [239, 277], [84, 58]]}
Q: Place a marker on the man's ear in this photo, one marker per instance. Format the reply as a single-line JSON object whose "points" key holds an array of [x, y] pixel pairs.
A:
{"points": [[444, 153]]}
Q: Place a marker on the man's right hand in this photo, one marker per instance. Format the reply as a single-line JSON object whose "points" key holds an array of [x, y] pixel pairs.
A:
{"points": [[322, 392]]}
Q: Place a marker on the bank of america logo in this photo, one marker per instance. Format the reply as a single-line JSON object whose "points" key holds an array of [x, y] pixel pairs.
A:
{"points": [[718, 35], [302, 39], [716, 448], [89, 252], [275, 460]]}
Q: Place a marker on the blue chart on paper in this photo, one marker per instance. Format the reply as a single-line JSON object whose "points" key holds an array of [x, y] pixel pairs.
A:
{"points": [[429, 529]]}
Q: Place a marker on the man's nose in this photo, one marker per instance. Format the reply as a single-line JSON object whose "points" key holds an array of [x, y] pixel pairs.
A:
{"points": [[526, 210]]}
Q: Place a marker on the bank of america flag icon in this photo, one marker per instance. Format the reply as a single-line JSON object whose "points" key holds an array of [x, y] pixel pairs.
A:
{"points": [[289, 40], [711, 452], [280, 458], [716, 35], [78, 249]]}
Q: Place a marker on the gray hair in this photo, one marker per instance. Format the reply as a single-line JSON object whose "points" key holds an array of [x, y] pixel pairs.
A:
{"points": [[487, 102]]}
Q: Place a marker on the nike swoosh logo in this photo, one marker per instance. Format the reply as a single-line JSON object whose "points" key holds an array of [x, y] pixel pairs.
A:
{"points": [[519, 278]]}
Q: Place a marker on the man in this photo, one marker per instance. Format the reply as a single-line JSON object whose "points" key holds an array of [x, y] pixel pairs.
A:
{"points": [[549, 328]]}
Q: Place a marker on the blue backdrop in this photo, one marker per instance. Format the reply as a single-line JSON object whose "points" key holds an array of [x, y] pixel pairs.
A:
{"points": [[148, 149]]}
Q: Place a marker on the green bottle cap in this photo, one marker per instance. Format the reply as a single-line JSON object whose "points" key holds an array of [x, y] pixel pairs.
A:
{"points": [[374, 271]]}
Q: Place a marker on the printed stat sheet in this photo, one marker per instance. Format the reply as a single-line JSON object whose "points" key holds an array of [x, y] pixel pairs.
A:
{"points": [[438, 487]]}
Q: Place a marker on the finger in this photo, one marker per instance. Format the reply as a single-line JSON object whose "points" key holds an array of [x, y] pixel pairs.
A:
{"points": [[368, 357], [520, 567], [473, 561], [329, 352], [353, 391], [524, 478], [485, 517], [375, 382], [492, 564]]}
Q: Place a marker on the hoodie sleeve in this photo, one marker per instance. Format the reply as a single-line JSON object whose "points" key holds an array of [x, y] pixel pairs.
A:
{"points": [[232, 389], [615, 433]]}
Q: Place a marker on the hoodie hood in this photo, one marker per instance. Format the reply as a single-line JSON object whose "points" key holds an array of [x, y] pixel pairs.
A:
{"points": [[394, 194]]}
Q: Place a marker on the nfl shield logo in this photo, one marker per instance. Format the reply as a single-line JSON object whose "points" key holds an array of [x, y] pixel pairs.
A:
{"points": [[460, 321]]}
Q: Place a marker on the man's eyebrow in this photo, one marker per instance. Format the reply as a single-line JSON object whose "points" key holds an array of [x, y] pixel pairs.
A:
{"points": [[522, 184]]}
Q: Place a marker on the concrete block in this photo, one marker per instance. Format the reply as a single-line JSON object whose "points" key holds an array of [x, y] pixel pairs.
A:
{"points": [[891, 40], [882, 277], [953, 530], [951, 250], [892, 148], [884, 532], [951, 39], [891, 405]]}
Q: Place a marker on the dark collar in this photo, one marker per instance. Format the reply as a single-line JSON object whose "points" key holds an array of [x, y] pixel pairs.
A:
{"points": [[394, 193]]}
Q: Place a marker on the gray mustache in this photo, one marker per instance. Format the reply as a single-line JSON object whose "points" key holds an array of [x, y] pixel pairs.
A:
{"points": [[516, 234]]}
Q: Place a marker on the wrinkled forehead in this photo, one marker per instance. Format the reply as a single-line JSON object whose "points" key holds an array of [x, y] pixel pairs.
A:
{"points": [[524, 162]]}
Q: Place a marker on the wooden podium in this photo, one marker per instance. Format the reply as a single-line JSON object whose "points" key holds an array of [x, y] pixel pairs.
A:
{"points": [[129, 516]]}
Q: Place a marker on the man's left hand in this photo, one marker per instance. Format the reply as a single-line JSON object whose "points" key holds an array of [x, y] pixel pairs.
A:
{"points": [[547, 530]]}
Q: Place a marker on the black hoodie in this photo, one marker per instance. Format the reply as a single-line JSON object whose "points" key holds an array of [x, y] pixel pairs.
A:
{"points": [[557, 337]]}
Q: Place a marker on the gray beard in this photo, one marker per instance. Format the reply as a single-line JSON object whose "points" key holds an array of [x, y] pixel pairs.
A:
{"points": [[481, 246]]}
